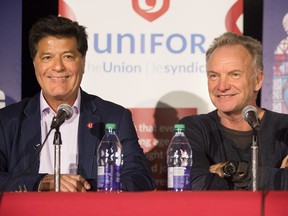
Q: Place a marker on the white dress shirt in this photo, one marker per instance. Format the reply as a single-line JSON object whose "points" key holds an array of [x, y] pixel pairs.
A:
{"points": [[69, 137]]}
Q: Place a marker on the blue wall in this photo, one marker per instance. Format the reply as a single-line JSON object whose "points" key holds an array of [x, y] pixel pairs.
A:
{"points": [[10, 52]]}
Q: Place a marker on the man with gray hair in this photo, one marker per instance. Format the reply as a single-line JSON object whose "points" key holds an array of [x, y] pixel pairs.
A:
{"points": [[221, 140]]}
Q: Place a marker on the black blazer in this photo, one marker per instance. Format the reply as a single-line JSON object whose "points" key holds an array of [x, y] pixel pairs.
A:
{"points": [[20, 133]]}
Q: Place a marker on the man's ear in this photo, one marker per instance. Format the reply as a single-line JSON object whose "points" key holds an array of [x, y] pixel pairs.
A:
{"points": [[259, 80]]}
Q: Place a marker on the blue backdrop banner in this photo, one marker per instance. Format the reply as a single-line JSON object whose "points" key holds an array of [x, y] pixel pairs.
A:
{"points": [[10, 52]]}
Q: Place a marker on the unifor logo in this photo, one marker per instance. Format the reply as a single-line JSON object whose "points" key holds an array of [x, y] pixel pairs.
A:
{"points": [[150, 9]]}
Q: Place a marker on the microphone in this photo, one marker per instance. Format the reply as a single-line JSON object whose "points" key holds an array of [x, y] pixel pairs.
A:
{"points": [[250, 114], [64, 111]]}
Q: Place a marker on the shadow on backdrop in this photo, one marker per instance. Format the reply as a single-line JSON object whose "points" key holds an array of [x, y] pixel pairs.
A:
{"points": [[155, 128]]}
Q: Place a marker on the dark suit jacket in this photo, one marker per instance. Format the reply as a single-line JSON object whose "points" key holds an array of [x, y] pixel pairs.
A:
{"points": [[20, 132]]}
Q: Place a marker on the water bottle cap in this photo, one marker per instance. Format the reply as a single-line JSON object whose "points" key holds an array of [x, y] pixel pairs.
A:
{"points": [[111, 126], [179, 127]]}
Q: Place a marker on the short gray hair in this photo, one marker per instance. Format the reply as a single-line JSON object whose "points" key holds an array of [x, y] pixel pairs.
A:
{"points": [[252, 45]]}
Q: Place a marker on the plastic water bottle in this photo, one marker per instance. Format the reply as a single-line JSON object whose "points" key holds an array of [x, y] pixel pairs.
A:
{"points": [[109, 161], [179, 161]]}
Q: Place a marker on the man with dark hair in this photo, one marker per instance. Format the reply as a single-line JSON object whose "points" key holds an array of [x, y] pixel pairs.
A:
{"points": [[58, 48]]}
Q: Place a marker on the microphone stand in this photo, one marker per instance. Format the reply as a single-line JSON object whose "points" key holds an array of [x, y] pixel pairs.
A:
{"points": [[57, 147], [254, 148]]}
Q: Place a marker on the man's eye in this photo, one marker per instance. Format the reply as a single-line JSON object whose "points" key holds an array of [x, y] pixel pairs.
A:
{"points": [[46, 57], [212, 76], [235, 75], [68, 57]]}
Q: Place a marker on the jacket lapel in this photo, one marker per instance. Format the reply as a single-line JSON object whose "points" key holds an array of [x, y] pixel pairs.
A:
{"points": [[31, 133], [89, 135]]}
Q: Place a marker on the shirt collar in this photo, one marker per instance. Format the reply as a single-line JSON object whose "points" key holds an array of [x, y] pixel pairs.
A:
{"points": [[46, 109]]}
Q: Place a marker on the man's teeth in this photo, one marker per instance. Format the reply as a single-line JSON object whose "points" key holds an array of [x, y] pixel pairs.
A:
{"points": [[59, 77]]}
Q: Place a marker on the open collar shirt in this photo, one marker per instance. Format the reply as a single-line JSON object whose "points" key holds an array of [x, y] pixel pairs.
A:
{"points": [[69, 137]]}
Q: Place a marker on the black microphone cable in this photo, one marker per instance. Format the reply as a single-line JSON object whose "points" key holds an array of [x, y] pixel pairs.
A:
{"points": [[264, 193]]}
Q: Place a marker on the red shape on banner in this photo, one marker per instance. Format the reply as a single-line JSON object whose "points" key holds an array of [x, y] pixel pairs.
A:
{"points": [[232, 16], [65, 10], [150, 9]]}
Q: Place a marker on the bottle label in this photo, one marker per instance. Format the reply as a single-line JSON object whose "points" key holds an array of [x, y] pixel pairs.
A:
{"points": [[179, 178], [108, 177]]}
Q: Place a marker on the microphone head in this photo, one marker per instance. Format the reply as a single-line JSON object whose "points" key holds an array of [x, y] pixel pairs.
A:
{"points": [[64, 111], [248, 109], [66, 108]]}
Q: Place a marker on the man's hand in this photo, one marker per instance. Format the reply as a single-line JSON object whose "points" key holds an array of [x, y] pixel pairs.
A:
{"points": [[68, 183], [284, 163], [217, 168], [241, 178]]}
